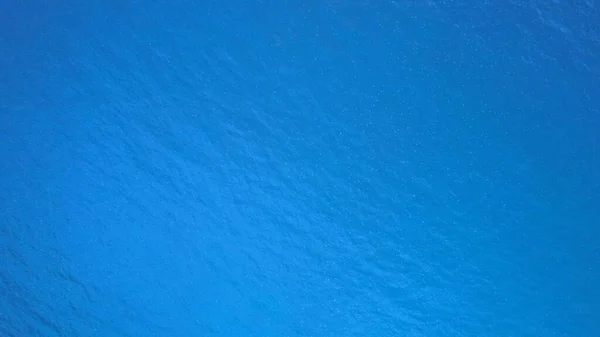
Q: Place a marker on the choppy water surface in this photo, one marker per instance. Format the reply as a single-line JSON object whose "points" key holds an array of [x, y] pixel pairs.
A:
{"points": [[293, 168]]}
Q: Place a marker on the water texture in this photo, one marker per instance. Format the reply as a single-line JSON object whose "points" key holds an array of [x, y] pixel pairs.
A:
{"points": [[299, 168]]}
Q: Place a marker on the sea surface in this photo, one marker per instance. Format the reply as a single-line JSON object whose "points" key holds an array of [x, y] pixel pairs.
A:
{"points": [[300, 168]]}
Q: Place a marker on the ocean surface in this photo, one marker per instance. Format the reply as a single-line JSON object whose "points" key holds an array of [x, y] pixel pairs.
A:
{"points": [[300, 168]]}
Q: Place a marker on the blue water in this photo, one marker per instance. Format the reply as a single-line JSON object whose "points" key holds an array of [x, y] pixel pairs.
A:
{"points": [[300, 168]]}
